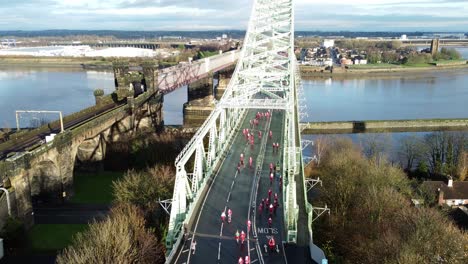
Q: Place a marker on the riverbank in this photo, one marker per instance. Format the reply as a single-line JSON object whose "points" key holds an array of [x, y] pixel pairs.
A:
{"points": [[382, 69], [383, 126], [55, 62]]}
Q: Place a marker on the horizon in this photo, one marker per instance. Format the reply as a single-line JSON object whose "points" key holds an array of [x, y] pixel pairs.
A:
{"points": [[197, 15]]}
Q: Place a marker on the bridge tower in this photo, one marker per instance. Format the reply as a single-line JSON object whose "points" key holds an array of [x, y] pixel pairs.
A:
{"points": [[266, 77]]}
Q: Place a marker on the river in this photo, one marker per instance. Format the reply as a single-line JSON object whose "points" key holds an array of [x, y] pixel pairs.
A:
{"points": [[66, 90], [410, 96], [424, 95]]}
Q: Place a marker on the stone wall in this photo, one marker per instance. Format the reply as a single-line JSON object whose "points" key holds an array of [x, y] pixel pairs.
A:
{"points": [[48, 169], [385, 126]]}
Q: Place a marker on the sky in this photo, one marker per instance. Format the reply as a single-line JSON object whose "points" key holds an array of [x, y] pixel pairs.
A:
{"points": [[148, 15]]}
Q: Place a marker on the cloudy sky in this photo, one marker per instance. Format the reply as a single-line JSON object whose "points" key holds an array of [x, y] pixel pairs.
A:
{"points": [[353, 15]]}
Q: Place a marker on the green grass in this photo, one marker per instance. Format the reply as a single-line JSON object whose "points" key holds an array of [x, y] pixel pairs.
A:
{"points": [[374, 66], [419, 65], [94, 188], [52, 237]]}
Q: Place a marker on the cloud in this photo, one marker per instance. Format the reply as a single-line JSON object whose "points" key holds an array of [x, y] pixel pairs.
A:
{"points": [[357, 15]]}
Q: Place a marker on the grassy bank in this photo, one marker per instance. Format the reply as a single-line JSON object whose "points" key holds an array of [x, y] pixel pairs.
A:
{"points": [[384, 69], [52, 62], [52, 237], [94, 188]]}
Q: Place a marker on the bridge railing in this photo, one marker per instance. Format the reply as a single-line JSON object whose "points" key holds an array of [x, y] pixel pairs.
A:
{"points": [[171, 78]]}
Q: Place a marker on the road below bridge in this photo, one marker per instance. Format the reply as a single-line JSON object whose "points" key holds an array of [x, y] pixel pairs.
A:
{"points": [[239, 191]]}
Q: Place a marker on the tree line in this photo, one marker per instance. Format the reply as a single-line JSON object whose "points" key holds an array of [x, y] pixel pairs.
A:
{"points": [[372, 219]]}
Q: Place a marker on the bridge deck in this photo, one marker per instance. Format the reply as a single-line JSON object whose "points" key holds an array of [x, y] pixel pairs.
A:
{"points": [[215, 241]]}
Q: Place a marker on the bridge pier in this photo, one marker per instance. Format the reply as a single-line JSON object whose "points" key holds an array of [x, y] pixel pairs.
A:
{"points": [[224, 77], [200, 102]]}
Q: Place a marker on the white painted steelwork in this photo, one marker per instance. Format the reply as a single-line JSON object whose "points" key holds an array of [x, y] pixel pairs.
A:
{"points": [[268, 66]]}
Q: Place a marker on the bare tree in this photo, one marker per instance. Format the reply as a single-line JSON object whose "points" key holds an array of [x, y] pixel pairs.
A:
{"points": [[320, 143], [411, 149], [122, 238]]}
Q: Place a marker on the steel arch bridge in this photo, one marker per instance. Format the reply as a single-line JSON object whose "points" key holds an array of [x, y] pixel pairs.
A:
{"points": [[266, 77]]}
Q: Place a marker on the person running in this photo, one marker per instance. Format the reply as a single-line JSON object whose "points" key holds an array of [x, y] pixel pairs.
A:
{"points": [[236, 236], [241, 260], [249, 224], [271, 167], [247, 260], [272, 243], [271, 210], [242, 159], [270, 221], [229, 215], [223, 216], [271, 178], [269, 194], [242, 236], [259, 134], [194, 247], [260, 208], [250, 162]]}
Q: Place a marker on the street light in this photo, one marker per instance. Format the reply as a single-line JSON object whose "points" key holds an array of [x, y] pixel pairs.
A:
{"points": [[8, 199]]}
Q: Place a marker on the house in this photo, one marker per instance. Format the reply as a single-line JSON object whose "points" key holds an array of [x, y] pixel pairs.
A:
{"points": [[450, 193]]}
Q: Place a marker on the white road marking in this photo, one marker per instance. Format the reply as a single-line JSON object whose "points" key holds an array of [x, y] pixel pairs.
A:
{"points": [[219, 251]]}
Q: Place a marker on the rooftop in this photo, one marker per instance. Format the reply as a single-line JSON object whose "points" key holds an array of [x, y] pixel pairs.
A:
{"points": [[459, 189]]}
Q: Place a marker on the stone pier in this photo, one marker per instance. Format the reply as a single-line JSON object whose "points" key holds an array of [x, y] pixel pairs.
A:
{"points": [[200, 102], [224, 78]]}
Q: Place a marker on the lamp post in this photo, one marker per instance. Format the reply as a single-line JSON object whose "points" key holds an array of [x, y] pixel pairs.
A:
{"points": [[8, 200]]}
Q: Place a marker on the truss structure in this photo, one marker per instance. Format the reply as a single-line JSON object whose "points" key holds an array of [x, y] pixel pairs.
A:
{"points": [[267, 66]]}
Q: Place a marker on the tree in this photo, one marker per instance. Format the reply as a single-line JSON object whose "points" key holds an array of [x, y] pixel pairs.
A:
{"points": [[121, 238], [320, 144], [374, 56], [411, 149], [144, 188], [390, 57], [371, 220]]}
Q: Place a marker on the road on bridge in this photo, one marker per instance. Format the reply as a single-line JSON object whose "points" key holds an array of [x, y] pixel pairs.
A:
{"points": [[238, 191]]}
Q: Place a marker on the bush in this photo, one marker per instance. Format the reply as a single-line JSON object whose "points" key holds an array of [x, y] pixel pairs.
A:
{"points": [[144, 188], [122, 238], [419, 58], [98, 92]]}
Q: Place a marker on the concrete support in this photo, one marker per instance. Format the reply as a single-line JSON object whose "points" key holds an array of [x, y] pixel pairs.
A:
{"points": [[435, 46], [224, 77], [200, 102]]}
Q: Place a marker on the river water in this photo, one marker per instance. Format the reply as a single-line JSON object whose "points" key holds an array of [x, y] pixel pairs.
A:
{"points": [[411, 96], [441, 94], [66, 90]]}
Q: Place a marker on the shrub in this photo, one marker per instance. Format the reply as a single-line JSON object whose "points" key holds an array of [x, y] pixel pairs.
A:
{"points": [[144, 188], [98, 92], [121, 238]]}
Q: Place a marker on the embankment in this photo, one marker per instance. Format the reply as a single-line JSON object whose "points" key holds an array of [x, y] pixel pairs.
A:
{"points": [[55, 62], [384, 70], [370, 126]]}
